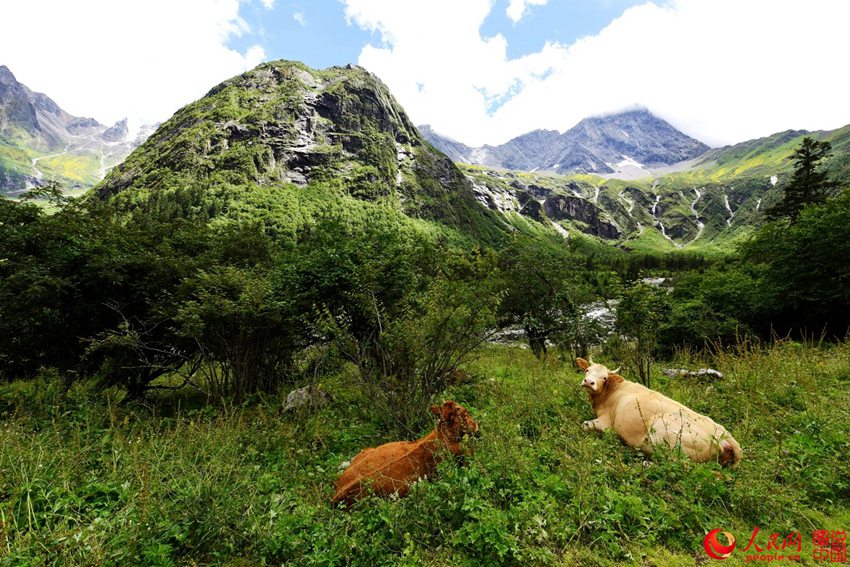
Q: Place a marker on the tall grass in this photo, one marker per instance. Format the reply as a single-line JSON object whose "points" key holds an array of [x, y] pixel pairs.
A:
{"points": [[86, 480]]}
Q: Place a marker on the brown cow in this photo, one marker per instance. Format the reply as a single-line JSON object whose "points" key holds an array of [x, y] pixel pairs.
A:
{"points": [[392, 467], [644, 418]]}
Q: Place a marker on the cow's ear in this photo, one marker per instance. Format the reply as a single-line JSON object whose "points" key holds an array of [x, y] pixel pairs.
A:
{"points": [[435, 409], [614, 378], [582, 363]]}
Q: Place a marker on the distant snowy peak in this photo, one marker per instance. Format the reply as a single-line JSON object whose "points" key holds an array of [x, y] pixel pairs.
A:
{"points": [[628, 168], [628, 144]]}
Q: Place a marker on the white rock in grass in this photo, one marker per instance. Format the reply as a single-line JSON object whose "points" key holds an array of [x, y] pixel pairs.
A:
{"points": [[701, 373], [308, 397]]}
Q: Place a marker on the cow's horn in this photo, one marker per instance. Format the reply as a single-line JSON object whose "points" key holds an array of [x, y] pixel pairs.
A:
{"points": [[616, 370]]}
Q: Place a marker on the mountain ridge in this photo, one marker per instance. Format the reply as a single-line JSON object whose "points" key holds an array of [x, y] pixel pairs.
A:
{"points": [[283, 131], [715, 201], [599, 145]]}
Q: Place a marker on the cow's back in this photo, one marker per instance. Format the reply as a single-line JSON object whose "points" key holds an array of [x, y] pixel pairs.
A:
{"points": [[645, 418], [385, 469], [632, 408]]}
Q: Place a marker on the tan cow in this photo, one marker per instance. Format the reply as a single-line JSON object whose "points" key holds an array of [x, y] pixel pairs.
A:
{"points": [[644, 418], [393, 467]]}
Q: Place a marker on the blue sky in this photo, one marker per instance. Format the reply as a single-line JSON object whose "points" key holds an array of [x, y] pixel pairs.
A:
{"points": [[563, 22], [480, 71], [316, 33], [312, 31]]}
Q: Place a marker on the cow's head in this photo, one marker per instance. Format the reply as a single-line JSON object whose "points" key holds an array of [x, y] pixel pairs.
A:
{"points": [[596, 376], [454, 423]]}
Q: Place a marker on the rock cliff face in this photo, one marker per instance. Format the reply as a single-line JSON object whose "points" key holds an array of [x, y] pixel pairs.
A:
{"points": [[523, 153], [656, 214], [456, 151], [533, 210], [16, 104], [561, 207], [527, 151], [565, 201], [637, 135]]}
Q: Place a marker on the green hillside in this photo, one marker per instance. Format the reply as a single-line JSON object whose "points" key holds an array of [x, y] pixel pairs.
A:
{"points": [[270, 142], [21, 164], [40, 142], [614, 212], [264, 144], [769, 156], [707, 208]]}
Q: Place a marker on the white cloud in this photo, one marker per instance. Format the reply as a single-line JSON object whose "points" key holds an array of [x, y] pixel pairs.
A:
{"points": [[721, 70], [106, 59], [519, 8], [439, 67], [269, 4], [300, 18]]}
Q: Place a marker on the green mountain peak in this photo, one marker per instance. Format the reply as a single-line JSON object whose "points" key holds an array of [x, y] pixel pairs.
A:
{"points": [[287, 130]]}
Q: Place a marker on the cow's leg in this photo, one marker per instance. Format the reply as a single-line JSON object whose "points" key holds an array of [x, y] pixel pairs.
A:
{"points": [[598, 424]]}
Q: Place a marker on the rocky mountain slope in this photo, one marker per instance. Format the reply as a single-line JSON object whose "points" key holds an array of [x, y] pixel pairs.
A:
{"points": [[283, 142], [659, 215], [717, 200], [39, 141], [628, 144]]}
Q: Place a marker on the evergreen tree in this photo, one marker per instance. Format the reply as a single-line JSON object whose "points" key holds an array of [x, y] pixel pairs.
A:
{"points": [[809, 184], [802, 271]]}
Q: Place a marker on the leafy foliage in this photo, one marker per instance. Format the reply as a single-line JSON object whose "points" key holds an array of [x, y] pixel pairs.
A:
{"points": [[226, 307], [710, 306], [59, 272], [639, 316], [406, 361], [802, 269], [545, 292]]}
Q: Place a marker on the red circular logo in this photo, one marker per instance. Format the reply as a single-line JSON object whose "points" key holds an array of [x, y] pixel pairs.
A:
{"points": [[714, 548]]}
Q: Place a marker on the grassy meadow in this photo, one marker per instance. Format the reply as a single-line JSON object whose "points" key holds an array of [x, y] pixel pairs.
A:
{"points": [[88, 480]]}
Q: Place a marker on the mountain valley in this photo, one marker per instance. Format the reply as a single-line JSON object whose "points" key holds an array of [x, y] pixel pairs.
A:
{"points": [[292, 239], [41, 142]]}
